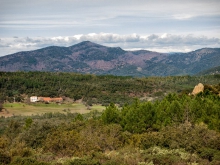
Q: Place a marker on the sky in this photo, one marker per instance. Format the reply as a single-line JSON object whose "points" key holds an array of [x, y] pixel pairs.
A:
{"points": [[156, 25]]}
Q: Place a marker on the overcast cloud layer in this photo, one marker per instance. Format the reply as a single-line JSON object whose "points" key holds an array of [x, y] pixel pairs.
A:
{"points": [[164, 26]]}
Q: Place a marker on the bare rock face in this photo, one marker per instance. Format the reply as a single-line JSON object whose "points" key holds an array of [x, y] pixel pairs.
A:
{"points": [[198, 88]]}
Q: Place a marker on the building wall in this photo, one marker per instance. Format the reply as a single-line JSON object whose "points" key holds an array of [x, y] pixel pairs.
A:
{"points": [[33, 99]]}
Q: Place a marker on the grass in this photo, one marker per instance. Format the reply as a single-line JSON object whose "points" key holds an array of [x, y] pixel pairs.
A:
{"points": [[40, 108]]}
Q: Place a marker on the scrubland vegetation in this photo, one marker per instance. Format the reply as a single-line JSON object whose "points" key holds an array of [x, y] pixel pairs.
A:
{"points": [[174, 129]]}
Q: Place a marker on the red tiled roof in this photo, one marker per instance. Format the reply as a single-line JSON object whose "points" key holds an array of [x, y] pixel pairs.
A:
{"points": [[48, 99]]}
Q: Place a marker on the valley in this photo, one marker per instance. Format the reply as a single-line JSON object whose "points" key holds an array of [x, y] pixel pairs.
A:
{"points": [[109, 82], [117, 107]]}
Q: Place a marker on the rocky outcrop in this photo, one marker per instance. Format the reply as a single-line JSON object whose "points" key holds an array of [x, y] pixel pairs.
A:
{"points": [[198, 88]]}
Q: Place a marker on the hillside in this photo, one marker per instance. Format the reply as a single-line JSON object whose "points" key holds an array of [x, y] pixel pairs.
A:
{"points": [[88, 57], [212, 71], [94, 89]]}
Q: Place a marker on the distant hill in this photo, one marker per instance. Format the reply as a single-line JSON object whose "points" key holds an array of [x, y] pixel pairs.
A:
{"points": [[212, 71], [88, 57]]}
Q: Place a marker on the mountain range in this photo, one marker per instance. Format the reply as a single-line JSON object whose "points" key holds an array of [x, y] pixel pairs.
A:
{"points": [[89, 57]]}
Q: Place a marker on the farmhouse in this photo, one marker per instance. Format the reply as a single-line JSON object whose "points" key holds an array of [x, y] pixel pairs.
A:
{"points": [[33, 99], [45, 99]]}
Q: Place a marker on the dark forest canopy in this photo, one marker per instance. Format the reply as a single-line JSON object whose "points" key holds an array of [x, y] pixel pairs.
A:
{"points": [[94, 89]]}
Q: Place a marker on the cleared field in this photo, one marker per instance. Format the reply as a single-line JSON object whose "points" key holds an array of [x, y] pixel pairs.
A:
{"points": [[15, 109]]}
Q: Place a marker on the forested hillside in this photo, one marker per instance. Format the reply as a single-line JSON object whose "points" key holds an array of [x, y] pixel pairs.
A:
{"points": [[179, 129], [89, 57], [94, 89], [212, 71]]}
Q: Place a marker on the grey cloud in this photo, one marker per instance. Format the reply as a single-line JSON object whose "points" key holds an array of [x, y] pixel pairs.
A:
{"points": [[171, 40], [68, 17], [121, 18], [123, 5]]}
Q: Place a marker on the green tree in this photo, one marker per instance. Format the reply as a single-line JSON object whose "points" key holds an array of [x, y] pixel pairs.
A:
{"points": [[111, 114], [28, 123], [1, 106], [138, 117], [175, 111]]}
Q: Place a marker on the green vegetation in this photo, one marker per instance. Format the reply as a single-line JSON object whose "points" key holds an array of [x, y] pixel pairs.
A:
{"points": [[16, 109], [213, 71], [94, 89], [178, 129]]}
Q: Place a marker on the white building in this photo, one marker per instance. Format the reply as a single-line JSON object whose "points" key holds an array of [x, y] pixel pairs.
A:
{"points": [[33, 99]]}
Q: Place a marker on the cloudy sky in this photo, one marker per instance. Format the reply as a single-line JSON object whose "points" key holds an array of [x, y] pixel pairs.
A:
{"points": [[158, 25]]}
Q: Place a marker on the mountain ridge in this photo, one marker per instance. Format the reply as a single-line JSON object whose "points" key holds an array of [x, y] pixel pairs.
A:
{"points": [[89, 57]]}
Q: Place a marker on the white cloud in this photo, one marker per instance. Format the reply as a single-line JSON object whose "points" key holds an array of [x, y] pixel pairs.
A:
{"points": [[155, 42], [157, 25], [182, 16]]}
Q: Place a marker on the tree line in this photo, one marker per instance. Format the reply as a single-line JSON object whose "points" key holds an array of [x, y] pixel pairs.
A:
{"points": [[94, 89]]}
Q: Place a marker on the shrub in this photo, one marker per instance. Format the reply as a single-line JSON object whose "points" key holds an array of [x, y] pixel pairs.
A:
{"points": [[4, 158], [82, 161], [26, 161]]}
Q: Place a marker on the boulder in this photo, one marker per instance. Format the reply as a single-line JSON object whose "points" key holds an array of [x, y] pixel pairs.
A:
{"points": [[198, 88]]}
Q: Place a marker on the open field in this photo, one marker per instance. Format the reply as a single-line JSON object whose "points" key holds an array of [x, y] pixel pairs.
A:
{"points": [[16, 109]]}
